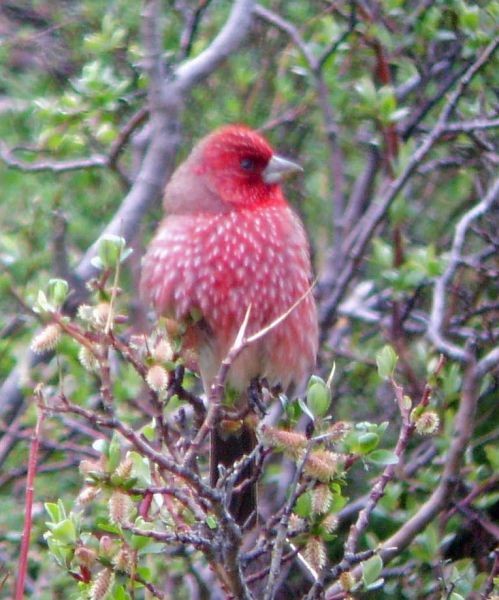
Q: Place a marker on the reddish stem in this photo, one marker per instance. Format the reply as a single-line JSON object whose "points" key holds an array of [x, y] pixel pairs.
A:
{"points": [[28, 510]]}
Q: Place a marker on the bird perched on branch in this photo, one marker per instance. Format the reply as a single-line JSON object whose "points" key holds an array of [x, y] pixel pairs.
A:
{"points": [[229, 239]]}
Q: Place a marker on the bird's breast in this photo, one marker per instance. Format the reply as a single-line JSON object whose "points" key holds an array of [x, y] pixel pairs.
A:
{"points": [[215, 266]]}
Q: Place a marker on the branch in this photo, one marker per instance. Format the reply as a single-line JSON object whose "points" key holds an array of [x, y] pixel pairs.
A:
{"points": [[63, 166], [30, 490], [472, 126], [378, 489], [282, 529], [226, 42], [358, 239], [438, 312], [463, 430]]}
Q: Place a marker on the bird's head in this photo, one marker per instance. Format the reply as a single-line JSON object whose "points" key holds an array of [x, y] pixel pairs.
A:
{"points": [[239, 165]]}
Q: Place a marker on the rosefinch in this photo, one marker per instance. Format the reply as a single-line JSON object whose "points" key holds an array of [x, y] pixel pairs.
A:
{"points": [[230, 239]]}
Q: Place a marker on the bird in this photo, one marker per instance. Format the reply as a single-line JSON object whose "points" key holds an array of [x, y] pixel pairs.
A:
{"points": [[230, 240]]}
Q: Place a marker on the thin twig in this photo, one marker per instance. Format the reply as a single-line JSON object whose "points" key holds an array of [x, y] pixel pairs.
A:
{"points": [[30, 489]]}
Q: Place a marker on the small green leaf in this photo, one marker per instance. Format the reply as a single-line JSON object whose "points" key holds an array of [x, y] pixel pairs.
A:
{"points": [[303, 506], [141, 468], [119, 593], [371, 569], [386, 359], [211, 522], [57, 291], [42, 304], [53, 511], [305, 409], [367, 442], [318, 398], [110, 248], [382, 457], [114, 453], [65, 532]]}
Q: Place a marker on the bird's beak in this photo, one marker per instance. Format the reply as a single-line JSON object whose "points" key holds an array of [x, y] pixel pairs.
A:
{"points": [[279, 168]]}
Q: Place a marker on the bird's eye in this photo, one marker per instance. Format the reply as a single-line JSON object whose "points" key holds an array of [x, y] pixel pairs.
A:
{"points": [[248, 164]]}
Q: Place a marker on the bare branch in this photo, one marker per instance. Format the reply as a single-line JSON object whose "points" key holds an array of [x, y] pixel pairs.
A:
{"points": [[282, 529], [438, 312], [95, 161], [228, 40], [472, 126]]}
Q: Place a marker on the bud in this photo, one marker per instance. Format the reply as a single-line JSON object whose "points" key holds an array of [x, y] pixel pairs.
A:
{"points": [[102, 585], [87, 494], [315, 553], [321, 499], [85, 313], [47, 339], [88, 467], [347, 581], [106, 547], [87, 359], [322, 465], [290, 442], [296, 524], [110, 250], [123, 560], [124, 469], [85, 556], [337, 431], [120, 507], [163, 352], [427, 423], [57, 292], [157, 378], [137, 342], [330, 523], [101, 314]]}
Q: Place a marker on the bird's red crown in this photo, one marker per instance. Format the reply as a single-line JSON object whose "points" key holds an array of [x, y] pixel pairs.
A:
{"points": [[234, 159]]}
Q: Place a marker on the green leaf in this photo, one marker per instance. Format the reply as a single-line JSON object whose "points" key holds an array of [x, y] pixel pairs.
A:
{"points": [[57, 291], [386, 359], [303, 505], [211, 522], [114, 453], [382, 457], [367, 442], [319, 398], [305, 409], [119, 593], [110, 250], [141, 468], [53, 511], [371, 569], [65, 532], [42, 304]]}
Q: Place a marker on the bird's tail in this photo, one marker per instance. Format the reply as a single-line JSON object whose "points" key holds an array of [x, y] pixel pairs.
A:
{"points": [[229, 444]]}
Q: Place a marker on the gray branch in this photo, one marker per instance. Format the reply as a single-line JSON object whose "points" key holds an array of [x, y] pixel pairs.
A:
{"points": [[437, 314]]}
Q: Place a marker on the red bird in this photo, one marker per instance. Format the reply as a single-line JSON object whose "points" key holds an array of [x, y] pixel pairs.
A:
{"points": [[229, 239]]}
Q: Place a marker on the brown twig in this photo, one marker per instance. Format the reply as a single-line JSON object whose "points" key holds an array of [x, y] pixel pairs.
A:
{"points": [[30, 489]]}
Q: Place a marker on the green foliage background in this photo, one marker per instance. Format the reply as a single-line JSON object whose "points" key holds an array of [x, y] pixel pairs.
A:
{"points": [[74, 72]]}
